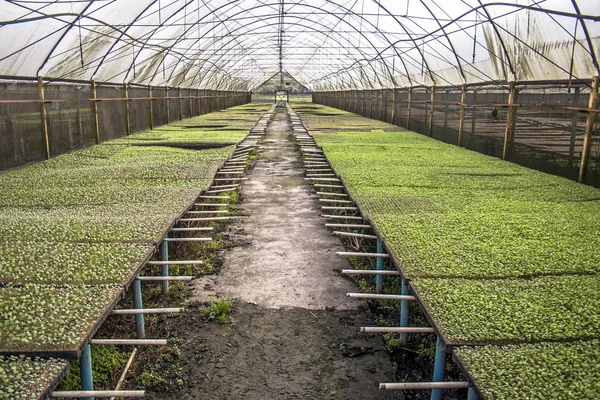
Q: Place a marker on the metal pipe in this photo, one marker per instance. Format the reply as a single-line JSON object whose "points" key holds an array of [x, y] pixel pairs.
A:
{"points": [[214, 197], [164, 270], [131, 342], [395, 329], [439, 368], [359, 254], [404, 310], [332, 194], [324, 185], [472, 394], [368, 272], [335, 201], [130, 311], [208, 212], [358, 226], [356, 235], [163, 278], [173, 262], [202, 228], [423, 385], [206, 219], [330, 216], [85, 370], [379, 266], [137, 303], [85, 394], [380, 296], [193, 239]]}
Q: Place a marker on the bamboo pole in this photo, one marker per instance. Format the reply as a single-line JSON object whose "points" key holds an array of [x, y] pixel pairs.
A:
{"points": [[394, 329], [461, 121], [409, 106], [43, 116], [150, 105], [381, 105], [127, 120], [509, 120], [167, 103], [359, 254], [589, 127], [131, 342], [356, 235], [394, 90], [431, 109], [95, 111], [147, 311], [125, 370], [179, 103]]}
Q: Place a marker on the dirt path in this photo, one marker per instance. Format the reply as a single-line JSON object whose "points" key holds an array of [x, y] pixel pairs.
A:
{"points": [[294, 333]]}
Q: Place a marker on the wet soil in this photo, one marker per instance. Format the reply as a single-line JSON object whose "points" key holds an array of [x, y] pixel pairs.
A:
{"points": [[293, 333]]}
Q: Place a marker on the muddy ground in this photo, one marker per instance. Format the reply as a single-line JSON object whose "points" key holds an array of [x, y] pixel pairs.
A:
{"points": [[293, 333]]}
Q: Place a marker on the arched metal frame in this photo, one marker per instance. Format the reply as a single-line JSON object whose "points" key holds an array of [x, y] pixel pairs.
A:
{"points": [[327, 44]]}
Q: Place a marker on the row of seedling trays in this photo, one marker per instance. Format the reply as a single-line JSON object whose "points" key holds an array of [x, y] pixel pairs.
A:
{"points": [[193, 226], [345, 218]]}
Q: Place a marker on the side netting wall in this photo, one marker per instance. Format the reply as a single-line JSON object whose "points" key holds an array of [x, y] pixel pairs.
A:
{"points": [[546, 130], [39, 119]]}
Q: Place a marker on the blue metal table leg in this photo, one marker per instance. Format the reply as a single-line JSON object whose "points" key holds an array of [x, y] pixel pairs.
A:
{"points": [[439, 368], [164, 251], [472, 394], [404, 308], [137, 303], [379, 266], [85, 370]]}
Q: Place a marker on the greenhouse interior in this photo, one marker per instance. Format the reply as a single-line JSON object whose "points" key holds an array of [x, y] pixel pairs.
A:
{"points": [[300, 199]]}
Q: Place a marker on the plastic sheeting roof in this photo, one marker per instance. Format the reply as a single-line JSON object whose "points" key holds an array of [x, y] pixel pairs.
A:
{"points": [[325, 45]]}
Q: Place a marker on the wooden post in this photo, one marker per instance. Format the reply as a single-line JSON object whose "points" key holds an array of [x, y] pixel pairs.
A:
{"points": [[179, 103], [198, 101], [446, 111], [371, 103], [431, 108], [189, 97], [474, 114], [362, 107], [381, 106], [150, 104], [573, 138], [43, 116], [95, 111], [127, 120], [589, 126], [409, 104], [509, 120], [461, 121], [167, 103], [394, 106]]}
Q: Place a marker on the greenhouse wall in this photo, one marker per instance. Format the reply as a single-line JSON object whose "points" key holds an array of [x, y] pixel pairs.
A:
{"points": [[546, 131], [78, 115]]}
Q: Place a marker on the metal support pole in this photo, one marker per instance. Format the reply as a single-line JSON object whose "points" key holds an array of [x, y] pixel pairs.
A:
{"points": [[85, 370], [472, 394], [439, 368], [589, 127], [137, 303], [379, 266], [404, 308], [164, 252]]}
